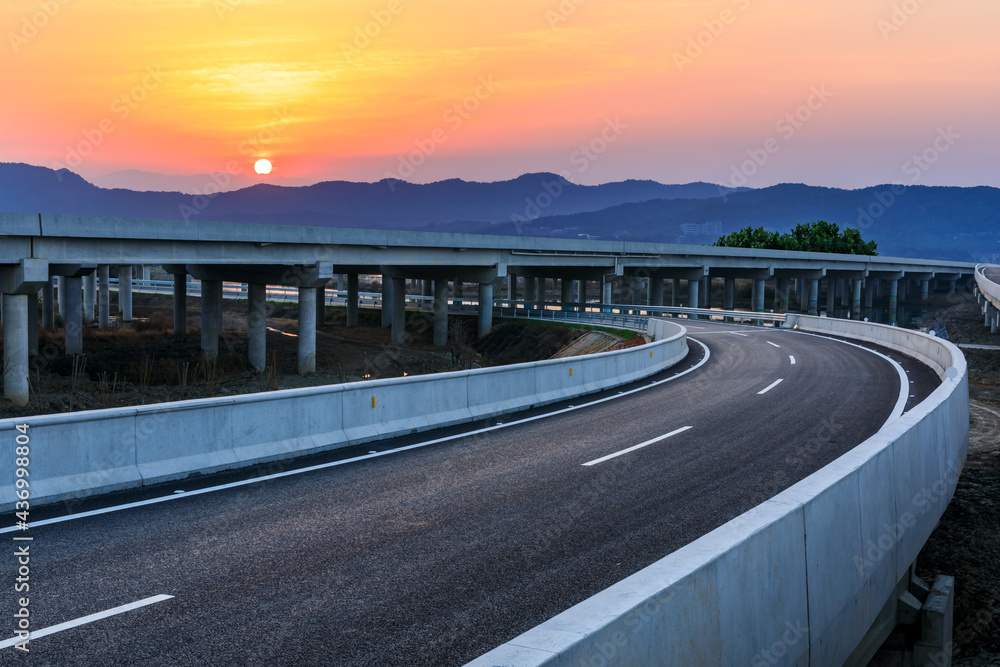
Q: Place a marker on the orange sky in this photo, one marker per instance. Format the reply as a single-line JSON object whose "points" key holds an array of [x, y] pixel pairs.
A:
{"points": [[598, 90]]}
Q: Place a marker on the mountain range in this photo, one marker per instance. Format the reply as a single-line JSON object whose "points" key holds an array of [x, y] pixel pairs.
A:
{"points": [[914, 221]]}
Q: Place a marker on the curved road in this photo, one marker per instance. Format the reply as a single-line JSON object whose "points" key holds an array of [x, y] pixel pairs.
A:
{"points": [[436, 555]]}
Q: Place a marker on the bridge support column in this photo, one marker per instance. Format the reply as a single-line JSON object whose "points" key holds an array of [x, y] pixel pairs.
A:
{"points": [[542, 286], [441, 312], [581, 291], [994, 315], [180, 304], [256, 326], [856, 299], [48, 306], [387, 301], [606, 286], [211, 317], [307, 330], [813, 307], [427, 288], [352, 300], [869, 293], [125, 292], [893, 300], [60, 286], [398, 310], [15, 348], [705, 293], [104, 296], [842, 290], [567, 293], [693, 293], [728, 293], [511, 286], [485, 308], [456, 291], [529, 291], [73, 317], [656, 292], [89, 296], [831, 297], [925, 286], [320, 305], [758, 305], [901, 290], [952, 285]]}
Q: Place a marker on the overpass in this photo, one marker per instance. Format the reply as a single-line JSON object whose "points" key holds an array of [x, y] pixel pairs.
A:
{"points": [[79, 251]]}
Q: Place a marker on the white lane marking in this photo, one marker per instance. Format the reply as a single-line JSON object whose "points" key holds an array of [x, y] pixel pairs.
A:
{"points": [[774, 344], [52, 629], [736, 333], [791, 359], [897, 411], [769, 387], [331, 464], [639, 446]]}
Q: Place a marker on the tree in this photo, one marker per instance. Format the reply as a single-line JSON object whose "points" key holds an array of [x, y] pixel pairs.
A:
{"points": [[819, 236]]}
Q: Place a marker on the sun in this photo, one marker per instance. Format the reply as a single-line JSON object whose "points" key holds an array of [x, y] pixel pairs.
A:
{"points": [[262, 166]]}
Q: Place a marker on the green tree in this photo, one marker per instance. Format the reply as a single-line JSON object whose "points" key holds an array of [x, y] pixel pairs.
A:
{"points": [[819, 236]]}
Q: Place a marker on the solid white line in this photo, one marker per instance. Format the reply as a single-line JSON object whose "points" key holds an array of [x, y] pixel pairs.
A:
{"points": [[770, 387], [791, 359], [774, 344], [639, 446], [735, 333], [331, 464], [52, 629]]}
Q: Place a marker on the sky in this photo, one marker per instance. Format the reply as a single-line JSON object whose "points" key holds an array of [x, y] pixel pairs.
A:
{"points": [[738, 92]]}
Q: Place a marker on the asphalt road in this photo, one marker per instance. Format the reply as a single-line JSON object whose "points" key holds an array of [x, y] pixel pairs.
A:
{"points": [[434, 555]]}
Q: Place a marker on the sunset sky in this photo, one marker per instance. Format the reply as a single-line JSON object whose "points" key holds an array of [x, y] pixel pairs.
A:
{"points": [[754, 92]]}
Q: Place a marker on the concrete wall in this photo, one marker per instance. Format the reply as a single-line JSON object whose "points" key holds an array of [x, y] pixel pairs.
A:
{"points": [[989, 288], [800, 578], [79, 454]]}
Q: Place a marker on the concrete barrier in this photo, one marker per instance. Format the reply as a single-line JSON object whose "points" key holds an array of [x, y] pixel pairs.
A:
{"points": [[799, 579], [84, 453]]}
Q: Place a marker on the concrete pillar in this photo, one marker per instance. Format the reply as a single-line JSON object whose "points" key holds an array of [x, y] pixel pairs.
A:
{"points": [[925, 286], [987, 313], [211, 321], [706, 292], [146, 271], [758, 305], [901, 290], [635, 291], [485, 308], [783, 286], [869, 292], [441, 312], [60, 283], [567, 292], [307, 330], [994, 314], [73, 317], [256, 325], [606, 291], [842, 288], [89, 296], [457, 289], [728, 292], [104, 296], [48, 306], [15, 348], [529, 291], [320, 306], [352, 300], [398, 310], [675, 293], [831, 297], [387, 301], [180, 304], [125, 292], [581, 291], [803, 296], [893, 300], [32, 324], [693, 293], [540, 293], [813, 306], [427, 288], [952, 284], [656, 292], [511, 286], [856, 299]]}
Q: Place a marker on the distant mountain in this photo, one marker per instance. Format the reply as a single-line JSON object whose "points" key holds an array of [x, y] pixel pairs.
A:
{"points": [[961, 224], [148, 181], [388, 203], [916, 221]]}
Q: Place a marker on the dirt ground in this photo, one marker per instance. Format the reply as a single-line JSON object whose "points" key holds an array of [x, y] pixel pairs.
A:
{"points": [[966, 543], [145, 363]]}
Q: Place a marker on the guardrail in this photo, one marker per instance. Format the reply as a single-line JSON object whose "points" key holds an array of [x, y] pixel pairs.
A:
{"points": [[84, 453], [990, 289], [811, 576]]}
